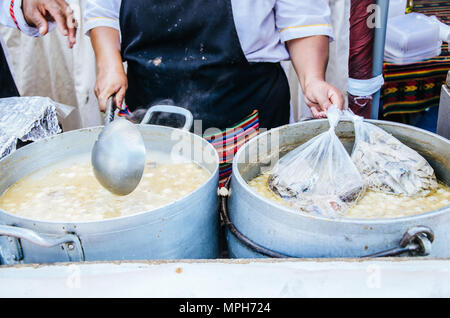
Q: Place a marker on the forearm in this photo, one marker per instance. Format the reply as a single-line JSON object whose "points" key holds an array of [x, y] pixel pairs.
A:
{"points": [[106, 44], [111, 77], [309, 58]]}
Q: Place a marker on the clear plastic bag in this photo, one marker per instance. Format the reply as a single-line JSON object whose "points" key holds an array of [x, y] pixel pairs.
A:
{"points": [[319, 176], [387, 165]]}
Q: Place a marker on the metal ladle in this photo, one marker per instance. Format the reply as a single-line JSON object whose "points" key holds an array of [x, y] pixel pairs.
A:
{"points": [[118, 156]]}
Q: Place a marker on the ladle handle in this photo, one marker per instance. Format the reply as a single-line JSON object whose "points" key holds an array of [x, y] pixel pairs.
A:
{"points": [[170, 109], [110, 109]]}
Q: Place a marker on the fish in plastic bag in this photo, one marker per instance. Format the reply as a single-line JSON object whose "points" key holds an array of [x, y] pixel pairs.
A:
{"points": [[319, 176], [387, 165]]}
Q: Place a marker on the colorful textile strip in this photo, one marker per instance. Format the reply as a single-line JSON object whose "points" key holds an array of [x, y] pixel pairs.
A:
{"points": [[125, 112], [415, 87], [439, 8], [229, 141]]}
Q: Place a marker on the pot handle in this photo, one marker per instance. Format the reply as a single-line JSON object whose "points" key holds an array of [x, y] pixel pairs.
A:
{"points": [[70, 242], [417, 241], [170, 109]]}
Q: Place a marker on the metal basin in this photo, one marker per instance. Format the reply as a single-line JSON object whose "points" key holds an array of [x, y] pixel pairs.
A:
{"points": [[187, 228], [282, 231]]}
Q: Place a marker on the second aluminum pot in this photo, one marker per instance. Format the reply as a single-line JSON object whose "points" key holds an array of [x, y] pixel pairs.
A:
{"points": [[259, 227]]}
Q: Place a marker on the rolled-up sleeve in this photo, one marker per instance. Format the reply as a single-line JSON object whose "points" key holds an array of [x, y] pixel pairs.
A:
{"points": [[303, 18], [99, 13], [12, 16]]}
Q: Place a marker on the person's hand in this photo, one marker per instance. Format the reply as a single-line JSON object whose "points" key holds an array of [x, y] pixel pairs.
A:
{"points": [[309, 56], [39, 12], [111, 76], [319, 96], [110, 82]]}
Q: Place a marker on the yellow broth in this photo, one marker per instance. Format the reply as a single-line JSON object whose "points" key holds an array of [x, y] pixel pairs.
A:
{"points": [[70, 192]]}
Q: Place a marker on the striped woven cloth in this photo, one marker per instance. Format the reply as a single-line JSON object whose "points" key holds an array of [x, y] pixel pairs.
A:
{"points": [[228, 142], [415, 87]]}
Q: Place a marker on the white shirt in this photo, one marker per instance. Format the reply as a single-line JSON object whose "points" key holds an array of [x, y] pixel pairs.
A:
{"points": [[262, 25]]}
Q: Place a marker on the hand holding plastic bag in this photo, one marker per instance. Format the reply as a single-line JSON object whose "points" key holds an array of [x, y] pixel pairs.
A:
{"points": [[319, 176], [387, 165]]}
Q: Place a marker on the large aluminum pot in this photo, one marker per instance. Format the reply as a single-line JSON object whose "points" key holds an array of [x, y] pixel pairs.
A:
{"points": [[259, 227], [187, 228]]}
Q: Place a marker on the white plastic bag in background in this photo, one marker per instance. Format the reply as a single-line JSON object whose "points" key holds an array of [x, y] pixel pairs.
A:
{"points": [[319, 176], [387, 165]]}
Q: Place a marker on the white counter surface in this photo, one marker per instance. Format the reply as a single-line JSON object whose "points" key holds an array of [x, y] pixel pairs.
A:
{"points": [[395, 277]]}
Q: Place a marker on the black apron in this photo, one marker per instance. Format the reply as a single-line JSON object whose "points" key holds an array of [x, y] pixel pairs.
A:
{"points": [[188, 51], [7, 86]]}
